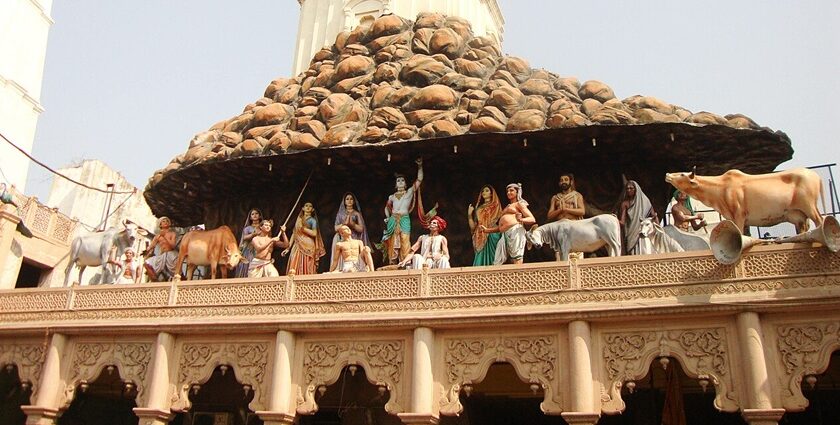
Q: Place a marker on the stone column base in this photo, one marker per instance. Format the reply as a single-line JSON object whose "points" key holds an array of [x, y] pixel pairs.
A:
{"points": [[418, 418], [153, 416], [37, 415], [581, 418], [762, 416], [276, 418]]}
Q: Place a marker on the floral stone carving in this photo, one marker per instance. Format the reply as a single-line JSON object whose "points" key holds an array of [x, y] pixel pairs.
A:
{"points": [[533, 357], [703, 353], [804, 349], [89, 359], [383, 362], [29, 359], [198, 360]]}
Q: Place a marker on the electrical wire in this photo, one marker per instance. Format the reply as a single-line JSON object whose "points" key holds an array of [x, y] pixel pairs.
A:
{"points": [[59, 174]]}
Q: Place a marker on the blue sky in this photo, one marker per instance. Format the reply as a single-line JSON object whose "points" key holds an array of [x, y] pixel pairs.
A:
{"points": [[131, 83]]}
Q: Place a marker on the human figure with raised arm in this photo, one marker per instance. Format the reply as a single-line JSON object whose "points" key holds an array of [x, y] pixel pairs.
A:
{"points": [[164, 262], [397, 235], [262, 265]]}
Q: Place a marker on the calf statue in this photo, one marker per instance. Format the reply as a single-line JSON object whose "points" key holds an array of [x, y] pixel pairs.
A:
{"points": [[95, 249], [587, 235], [217, 247]]}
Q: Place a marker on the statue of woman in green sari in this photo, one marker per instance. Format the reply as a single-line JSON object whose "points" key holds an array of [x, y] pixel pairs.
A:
{"points": [[485, 212]]}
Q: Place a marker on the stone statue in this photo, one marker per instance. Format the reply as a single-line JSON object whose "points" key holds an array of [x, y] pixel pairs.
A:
{"points": [[350, 215], [350, 255], [485, 212], [685, 218], [130, 268], [164, 262], [433, 248], [397, 235], [634, 208], [514, 219], [251, 229], [568, 204], [262, 245], [306, 246]]}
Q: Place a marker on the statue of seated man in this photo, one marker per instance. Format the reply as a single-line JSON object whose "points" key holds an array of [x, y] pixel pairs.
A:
{"points": [[434, 249], [163, 263], [351, 255], [262, 265]]}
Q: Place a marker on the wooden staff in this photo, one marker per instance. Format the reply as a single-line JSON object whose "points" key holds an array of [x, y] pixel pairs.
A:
{"points": [[293, 211]]}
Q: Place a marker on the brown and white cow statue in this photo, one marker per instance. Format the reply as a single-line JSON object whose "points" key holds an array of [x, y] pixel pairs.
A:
{"points": [[217, 247], [760, 199]]}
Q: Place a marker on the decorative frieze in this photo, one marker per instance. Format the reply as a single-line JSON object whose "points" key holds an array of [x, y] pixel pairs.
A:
{"points": [[703, 354], [198, 360], [383, 362], [29, 359], [533, 357], [804, 350], [90, 358]]}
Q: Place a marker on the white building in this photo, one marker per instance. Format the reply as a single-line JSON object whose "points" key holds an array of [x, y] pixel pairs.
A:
{"points": [[321, 20], [24, 25]]}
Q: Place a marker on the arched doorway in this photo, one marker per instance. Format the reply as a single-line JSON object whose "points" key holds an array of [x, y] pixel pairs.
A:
{"points": [[222, 400], [351, 400], [107, 400], [666, 391], [823, 394], [502, 399], [13, 394]]}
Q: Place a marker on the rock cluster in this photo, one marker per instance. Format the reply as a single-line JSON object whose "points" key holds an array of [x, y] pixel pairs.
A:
{"points": [[400, 80]]}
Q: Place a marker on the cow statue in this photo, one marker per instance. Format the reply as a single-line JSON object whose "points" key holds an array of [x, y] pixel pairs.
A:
{"points": [[688, 241], [654, 240], [217, 247], [760, 199], [587, 235], [94, 249]]}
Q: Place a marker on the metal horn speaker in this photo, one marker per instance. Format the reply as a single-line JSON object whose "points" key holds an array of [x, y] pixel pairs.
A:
{"points": [[728, 243], [828, 234]]}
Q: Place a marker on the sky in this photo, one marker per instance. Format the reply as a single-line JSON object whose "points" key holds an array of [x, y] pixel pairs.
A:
{"points": [[130, 83]]}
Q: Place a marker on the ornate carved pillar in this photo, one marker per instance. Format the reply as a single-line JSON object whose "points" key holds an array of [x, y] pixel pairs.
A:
{"points": [[422, 382], [759, 406], [45, 409], [280, 411], [580, 372], [157, 412]]}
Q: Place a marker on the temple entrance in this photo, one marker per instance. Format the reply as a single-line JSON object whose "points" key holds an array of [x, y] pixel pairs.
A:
{"points": [[667, 392], [222, 400], [501, 399], [108, 400], [13, 394], [352, 400], [823, 394]]}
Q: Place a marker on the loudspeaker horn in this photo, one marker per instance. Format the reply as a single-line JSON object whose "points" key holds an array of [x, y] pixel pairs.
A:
{"points": [[828, 234], [728, 243]]}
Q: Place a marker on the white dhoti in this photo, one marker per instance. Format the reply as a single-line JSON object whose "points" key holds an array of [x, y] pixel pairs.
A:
{"points": [[258, 268], [511, 245], [431, 253], [163, 261]]}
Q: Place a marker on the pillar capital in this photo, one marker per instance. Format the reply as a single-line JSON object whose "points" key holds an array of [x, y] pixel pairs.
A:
{"points": [[762, 416], [152, 416], [276, 418], [581, 418], [418, 418], [38, 415]]}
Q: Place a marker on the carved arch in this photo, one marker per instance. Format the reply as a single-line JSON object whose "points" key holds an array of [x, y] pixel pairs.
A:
{"points": [[533, 357], [198, 361], [89, 359], [702, 353], [804, 349], [29, 359], [323, 362]]}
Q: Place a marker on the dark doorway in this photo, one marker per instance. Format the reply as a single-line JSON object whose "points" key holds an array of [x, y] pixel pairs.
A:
{"points": [[222, 400], [646, 404], [502, 399], [108, 400], [352, 400], [823, 398], [30, 275], [13, 394]]}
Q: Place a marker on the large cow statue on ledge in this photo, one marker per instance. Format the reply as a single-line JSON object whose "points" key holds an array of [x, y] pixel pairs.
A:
{"points": [[212, 248], [757, 200], [95, 249]]}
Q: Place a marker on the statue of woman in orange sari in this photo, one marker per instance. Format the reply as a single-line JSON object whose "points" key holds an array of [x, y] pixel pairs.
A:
{"points": [[307, 246]]}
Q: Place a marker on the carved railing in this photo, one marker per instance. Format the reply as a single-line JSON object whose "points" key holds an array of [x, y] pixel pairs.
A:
{"points": [[45, 222], [560, 286]]}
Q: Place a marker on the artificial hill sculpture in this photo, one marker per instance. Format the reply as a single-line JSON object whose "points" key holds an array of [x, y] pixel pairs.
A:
{"points": [[388, 92]]}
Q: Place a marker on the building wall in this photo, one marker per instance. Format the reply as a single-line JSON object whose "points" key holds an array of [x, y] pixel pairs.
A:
{"points": [[24, 25], [322, 20]]}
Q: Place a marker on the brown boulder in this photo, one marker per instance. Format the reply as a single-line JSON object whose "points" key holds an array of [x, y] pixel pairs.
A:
{"points": [[303, 141], [507, 99], [649, 102], [429, 20], [741, 121], [421, 70], [239, 123], [322, 55], [590, 107], [471, 68], [460, 82], [440, 128], [264, 131], [536, 86], [422, 117], [342, 134], [447, 42], [536, 102], [374, 135], [649, 116], [387, 95], [347, 85], [315, 128], [596, 90], [517, 67], [435, 96], [276, 113], [279, 143], [197, 152], [288, 94], [403, 132], [388, 71], [354, 66], [460, 25], [277, 85], [339, 108], [420, 41], [505, 76], [706, 118], [314, 96], [209, 136], [324, 78], [526, 120], [231, 138], [388, 40], [386, 117], [486, 125]]}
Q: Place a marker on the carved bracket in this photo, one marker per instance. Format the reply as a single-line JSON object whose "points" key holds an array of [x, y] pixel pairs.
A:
{"points": [[89, 359], [323, 361], [29, 359], [804, 350], [703, 353], [199, 360], [468, 361]]}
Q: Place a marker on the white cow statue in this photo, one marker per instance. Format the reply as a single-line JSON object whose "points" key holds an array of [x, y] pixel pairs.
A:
{"points": [[93, 249], [587, 235], [654, 240]]}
